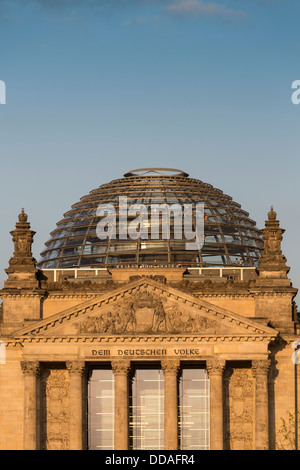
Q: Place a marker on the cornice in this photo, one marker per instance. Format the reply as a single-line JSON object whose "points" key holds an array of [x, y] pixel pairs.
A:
{"points": [[22, 293], [227, 295], [273, 291], [140, 339], [72, 295]]}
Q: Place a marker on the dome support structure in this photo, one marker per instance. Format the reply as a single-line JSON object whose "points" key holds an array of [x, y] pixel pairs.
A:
{"points": [[230, 237]]}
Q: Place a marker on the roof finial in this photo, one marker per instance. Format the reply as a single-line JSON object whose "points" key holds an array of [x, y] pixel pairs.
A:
{"points": [[272, 214], [23, 216]]}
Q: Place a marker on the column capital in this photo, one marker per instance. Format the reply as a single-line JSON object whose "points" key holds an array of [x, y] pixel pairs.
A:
{"points": [[215, 366], [120, 367], [170, 367], [31, 368], [260, 367], [76, 367]]}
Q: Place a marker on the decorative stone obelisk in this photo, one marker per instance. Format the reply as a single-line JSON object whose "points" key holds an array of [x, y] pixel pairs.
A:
{"points": [[273, 289], [272, 264], [22, 295]]}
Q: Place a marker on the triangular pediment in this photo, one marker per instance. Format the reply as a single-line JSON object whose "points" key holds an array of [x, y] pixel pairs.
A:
{"points": [[145, 307]]}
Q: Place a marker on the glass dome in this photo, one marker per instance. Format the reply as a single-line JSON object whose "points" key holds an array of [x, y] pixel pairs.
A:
{"points": [[231, 237]]}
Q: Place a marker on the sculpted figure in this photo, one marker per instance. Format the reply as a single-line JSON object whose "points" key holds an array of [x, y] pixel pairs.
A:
{"points": [[130, 317], [159, 316], [173, 319], [190, 324], [274, 243], [91, 325], [126, 318], [108, 322]]}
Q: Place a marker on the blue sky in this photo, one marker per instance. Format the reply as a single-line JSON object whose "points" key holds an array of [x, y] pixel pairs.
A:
{"points": [[96, 88]]}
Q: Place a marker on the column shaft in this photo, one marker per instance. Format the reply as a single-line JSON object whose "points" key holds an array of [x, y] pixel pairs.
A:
{"points": [[260, 371], [170, 369], [121, 369], [215, 370], [76, 372], [30, 371]]}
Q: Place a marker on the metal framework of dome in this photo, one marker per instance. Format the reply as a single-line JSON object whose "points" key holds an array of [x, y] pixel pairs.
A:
{"points": [[231, 237]]}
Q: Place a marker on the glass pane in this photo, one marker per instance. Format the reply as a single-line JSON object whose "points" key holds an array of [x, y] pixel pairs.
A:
{"points": [[194, 409], [74, 241], [123, 247], [101, 410], [90, 249], [68, 262], [147, 410], [91, 261], [71, 251]]}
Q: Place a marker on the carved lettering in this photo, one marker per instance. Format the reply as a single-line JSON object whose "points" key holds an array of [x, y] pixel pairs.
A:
{"points": [[101, 352], [186, 352], [142, 352]]}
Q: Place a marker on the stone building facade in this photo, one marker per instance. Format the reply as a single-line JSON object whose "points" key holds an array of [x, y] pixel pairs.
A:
{"points": [[77, 349]]}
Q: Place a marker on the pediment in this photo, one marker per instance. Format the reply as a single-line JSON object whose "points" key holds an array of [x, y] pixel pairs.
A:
{"points": [[145, 307]]}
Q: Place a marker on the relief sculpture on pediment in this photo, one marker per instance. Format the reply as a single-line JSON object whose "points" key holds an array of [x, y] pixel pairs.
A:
{"points": [[146, 313]]}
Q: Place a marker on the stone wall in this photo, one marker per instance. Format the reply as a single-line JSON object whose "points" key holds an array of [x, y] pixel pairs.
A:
{"points": [[11, 401]]}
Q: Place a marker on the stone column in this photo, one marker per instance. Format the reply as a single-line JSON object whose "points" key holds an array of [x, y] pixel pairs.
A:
{"points": [[215, 369], [260, 371], [31, 371], [121, 370], [171, 369], [76, 372]]}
